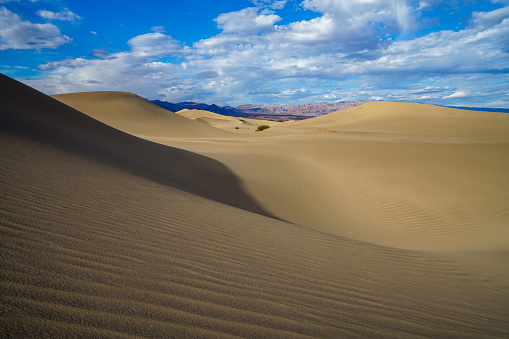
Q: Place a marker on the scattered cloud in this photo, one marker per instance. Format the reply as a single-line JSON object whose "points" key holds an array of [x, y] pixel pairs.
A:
{"points": [[153, 45], [246, 21], [65, 15], [16, 33], [101, 54], [135, 70], [273, 4], [351, 50], [486, 20], [157, 29], [458, 94], [93, 32], [206, 75], [353, 15]]}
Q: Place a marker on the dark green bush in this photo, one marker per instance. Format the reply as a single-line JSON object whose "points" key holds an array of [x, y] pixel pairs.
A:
{"points": [[262, 127]]}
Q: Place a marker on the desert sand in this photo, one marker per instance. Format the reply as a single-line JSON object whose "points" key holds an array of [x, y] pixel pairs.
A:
{"points": [[233, 124], [121, 219]]}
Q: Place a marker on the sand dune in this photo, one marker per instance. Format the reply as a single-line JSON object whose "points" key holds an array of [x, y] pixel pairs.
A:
{"points": [[425, 178], [47, 120], [234, 124], [135, 115], [103, 235], [414, 119]]}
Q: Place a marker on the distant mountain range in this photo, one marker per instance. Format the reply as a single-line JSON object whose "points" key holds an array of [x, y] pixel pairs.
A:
{"points": [[285, 112], [281, 113]]}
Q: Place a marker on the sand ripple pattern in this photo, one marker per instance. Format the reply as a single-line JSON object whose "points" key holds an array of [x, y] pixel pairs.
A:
{"points": [[89, 250]]}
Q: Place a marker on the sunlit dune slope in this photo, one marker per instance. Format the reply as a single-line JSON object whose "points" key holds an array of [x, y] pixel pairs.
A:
{"points": [[96, 241], [412, 118], [135, 115], [225, 122], [403, 175], [198, 113], [397, 174]]}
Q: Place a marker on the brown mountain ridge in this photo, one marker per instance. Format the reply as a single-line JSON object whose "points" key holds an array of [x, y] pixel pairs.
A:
{"points": [[277, 113]]}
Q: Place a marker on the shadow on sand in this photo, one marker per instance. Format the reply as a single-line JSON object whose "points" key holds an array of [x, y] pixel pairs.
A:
{"points": [[28, 113]]}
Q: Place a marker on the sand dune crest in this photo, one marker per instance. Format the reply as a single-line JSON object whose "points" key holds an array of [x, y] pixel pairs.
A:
{"points": [[135, 115], [412, 118]]}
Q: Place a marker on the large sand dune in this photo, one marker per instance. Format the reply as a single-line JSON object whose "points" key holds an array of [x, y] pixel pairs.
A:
{"points": [[403, 175], [415, 119], [103, 234], [135, 115]]}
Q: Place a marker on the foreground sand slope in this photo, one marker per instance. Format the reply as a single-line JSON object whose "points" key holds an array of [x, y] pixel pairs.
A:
{"points": [[92, 248]]}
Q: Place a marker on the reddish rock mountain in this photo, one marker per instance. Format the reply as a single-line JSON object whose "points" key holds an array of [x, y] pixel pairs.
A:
{"points": [[278, 113], [308, 110]]}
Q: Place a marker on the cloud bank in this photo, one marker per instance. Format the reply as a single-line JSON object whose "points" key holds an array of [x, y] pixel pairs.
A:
{"points": [[365, 49], [16, 33], [65, 15]]}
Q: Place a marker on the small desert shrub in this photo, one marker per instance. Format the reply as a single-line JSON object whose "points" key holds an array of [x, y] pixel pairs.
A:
{"points": [[237, 127], [262, 127], [327, 130]]}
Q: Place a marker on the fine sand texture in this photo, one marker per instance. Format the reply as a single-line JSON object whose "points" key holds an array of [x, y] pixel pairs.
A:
{"points": [[106, 234], [398, 174]]}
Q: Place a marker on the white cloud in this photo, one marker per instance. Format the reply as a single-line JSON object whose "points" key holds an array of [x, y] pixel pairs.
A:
{"points": [[255, 60], [273, 4], [136, 70], [154, 44], [16, 33], [489, 19], [93, 32], [458, 94], [157, 29], [466, 51], [322, 29], [246, 21], [65, 15], [206, 75], [363, 13]]}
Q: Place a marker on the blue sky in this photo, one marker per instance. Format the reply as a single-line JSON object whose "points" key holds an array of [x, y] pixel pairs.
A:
{"points": [[230, 52]]}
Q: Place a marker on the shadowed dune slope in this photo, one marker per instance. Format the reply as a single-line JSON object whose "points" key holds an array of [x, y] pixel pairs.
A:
{"points": [[45, 119], [91, 248], [135, 115]]}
